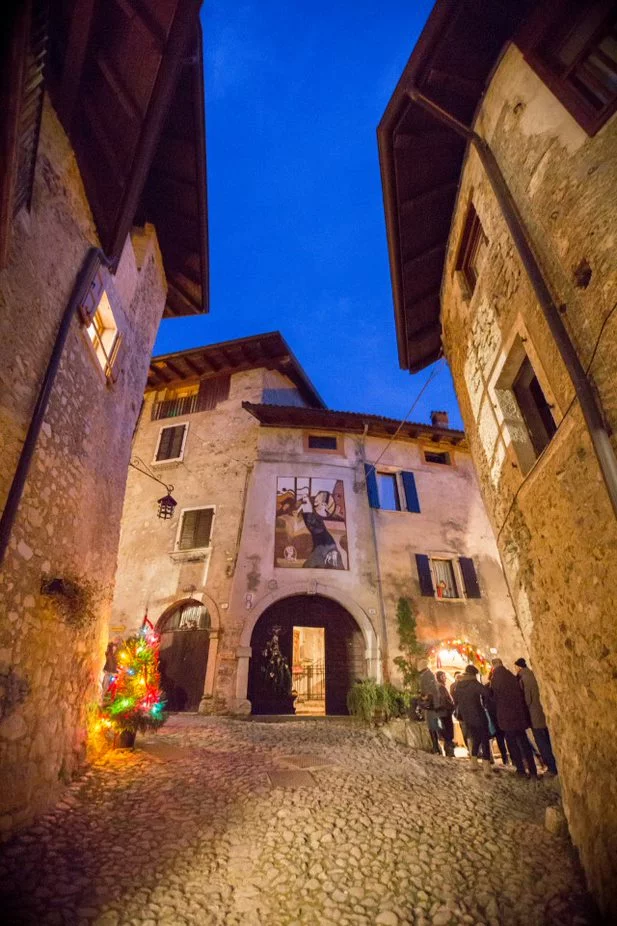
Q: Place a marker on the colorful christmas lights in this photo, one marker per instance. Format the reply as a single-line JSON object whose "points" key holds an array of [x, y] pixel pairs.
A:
{"points": [[134, 700], [463, 648]]}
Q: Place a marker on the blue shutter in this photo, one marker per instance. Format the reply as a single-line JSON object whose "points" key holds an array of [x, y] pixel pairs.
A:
{"points": [[411, 493], [472, 589], [371, 485], [424, 574]]}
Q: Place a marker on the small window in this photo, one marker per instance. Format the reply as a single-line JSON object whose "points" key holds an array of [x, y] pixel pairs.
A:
{"points": [[387, 489], [171, 443], [573, 47], [322, 442], [472, 250], [190, 615], [534, 408], [195, 529], [434, 456], [103, 334], [447, 578]]}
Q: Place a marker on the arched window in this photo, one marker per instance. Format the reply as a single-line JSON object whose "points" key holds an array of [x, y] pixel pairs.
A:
{"points": [[187, 615]]}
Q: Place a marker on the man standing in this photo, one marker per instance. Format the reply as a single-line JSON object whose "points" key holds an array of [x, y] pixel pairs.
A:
{"points": [[429, 697], [445, 708], [531, 693], [469, 701], [513, 718]]}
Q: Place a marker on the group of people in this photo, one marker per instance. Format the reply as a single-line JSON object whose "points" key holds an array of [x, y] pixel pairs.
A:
{"points": [[504, 709]]}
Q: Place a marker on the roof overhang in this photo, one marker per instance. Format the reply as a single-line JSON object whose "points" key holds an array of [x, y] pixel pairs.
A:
{"points": [[127, 82], [421, 160], [270, 351], [321, 419]]}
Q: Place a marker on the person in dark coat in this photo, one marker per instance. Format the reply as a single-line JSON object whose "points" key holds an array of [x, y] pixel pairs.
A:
{"points": [[429, 696], [469, 702], [495, 730], [539, 728], [513, 718], [445, 709]]}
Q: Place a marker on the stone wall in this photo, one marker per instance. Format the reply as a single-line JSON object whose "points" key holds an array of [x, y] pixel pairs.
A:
{"points": [[556, 530], [67, 527]]}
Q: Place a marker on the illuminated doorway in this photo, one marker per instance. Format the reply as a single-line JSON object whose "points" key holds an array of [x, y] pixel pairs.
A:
{"points": [[309, 670]]}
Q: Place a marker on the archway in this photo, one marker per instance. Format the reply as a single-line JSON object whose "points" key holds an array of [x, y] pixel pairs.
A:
{"points": [[343, 653], [185, 641]]}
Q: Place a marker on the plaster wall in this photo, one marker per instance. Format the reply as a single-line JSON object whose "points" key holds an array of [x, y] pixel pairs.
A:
{"points": [[67, 526], [556, 530]]}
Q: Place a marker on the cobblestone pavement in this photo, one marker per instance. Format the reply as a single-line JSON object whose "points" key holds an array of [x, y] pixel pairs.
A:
{"points": [[218, 821]]}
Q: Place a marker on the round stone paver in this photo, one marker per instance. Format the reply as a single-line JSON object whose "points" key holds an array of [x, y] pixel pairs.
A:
{"points": [[215, 821]]}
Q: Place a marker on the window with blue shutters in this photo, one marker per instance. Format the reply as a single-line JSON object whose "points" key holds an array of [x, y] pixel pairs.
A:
{"points": [[391, 491], [447, 578]]}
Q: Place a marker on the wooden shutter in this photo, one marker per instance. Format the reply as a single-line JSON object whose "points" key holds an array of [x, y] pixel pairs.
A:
{"points": [[170, 444], [371, 485], [196, 528], [424, 575], [411, 493], [92, 297], [472, 589], [213, 391]]}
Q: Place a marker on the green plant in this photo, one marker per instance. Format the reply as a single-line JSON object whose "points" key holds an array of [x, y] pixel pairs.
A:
{"points": [[276, 675], [409, 645], [362, 699]]}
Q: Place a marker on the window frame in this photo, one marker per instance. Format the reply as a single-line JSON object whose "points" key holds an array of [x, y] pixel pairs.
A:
{"points": [[472, 234], [456, 571], [105, 356], [559, 19], [464, 571], [373, 474], [397, 488], [187, 550], [308, 434], [446, 453], [178, 459]]}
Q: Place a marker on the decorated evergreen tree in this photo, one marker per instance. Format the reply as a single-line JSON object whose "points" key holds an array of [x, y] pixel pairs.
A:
{"points": [[134, 700]]}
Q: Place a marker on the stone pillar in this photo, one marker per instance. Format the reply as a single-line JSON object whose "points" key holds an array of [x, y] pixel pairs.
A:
{"points": [[240, 704], [208, 704]]}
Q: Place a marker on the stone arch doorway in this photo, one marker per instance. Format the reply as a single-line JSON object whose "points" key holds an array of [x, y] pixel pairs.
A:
{"points": [[343, 649], [185, 641]]}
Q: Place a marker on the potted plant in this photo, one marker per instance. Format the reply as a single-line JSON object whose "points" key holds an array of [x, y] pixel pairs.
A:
{"points": [[134, 700]]}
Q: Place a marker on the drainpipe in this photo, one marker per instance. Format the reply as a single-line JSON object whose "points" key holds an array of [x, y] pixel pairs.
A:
{"points": [[382, 606], [522, 241], [93, 260]]}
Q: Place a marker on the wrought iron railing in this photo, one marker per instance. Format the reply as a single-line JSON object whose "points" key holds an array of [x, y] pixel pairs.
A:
{"points": [[309, 682], [173, 408]]}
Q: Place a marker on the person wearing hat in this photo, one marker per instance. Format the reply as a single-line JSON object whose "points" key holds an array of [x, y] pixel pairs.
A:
{"points": [[469, 698], [531, 693], [513, 718], [429, 699]]}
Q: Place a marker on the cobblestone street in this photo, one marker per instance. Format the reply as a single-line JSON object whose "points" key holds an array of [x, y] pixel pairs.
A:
{"points": [[217, 821]]}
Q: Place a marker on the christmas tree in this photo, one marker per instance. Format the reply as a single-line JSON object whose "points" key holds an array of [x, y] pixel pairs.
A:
{"points": [[134, 700]]}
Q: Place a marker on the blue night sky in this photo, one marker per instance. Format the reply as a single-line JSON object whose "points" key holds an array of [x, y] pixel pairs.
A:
{"points": [[294, 93]]}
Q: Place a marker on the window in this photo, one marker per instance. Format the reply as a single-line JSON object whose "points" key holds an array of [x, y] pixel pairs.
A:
{"points": [[171, 443], [195, 529], [391, 491], [196, 397], [322, 442], [446, 578], [189, 615], [434, 456], [472, 250], [573, 48], [388, 492], [534, 408], [103, 334]]}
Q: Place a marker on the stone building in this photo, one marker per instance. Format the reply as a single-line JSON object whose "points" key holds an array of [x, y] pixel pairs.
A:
{"points": [[295, 516], [499, 165], [102, 231]]}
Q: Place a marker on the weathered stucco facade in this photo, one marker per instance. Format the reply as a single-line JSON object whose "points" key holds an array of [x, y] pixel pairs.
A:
{"points": [[556, 529], [239, 467], [68, 521], [512, 139]]}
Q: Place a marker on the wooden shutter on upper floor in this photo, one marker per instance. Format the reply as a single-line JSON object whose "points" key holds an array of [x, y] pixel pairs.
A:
{"points": [[170, 444], [424, 575], [196, 529], [411, 493], [468, 570], [371, 485], [212, 391]]}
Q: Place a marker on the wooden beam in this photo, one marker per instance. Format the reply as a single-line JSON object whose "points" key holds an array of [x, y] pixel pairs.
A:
{"points": [[12, 78], [423, 199], [462, 86], [437, 251], [193, 367], [175, 370], [79, 35]]}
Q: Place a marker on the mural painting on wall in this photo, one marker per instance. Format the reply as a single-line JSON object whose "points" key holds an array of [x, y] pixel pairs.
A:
{"points": [[311, 532]]}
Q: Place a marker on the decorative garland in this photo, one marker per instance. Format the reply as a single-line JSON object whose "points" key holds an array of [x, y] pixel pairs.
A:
{"points": [[465, 649]]}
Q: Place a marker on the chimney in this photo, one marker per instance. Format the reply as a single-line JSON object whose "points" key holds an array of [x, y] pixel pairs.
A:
{"points": [[439, 420]]}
